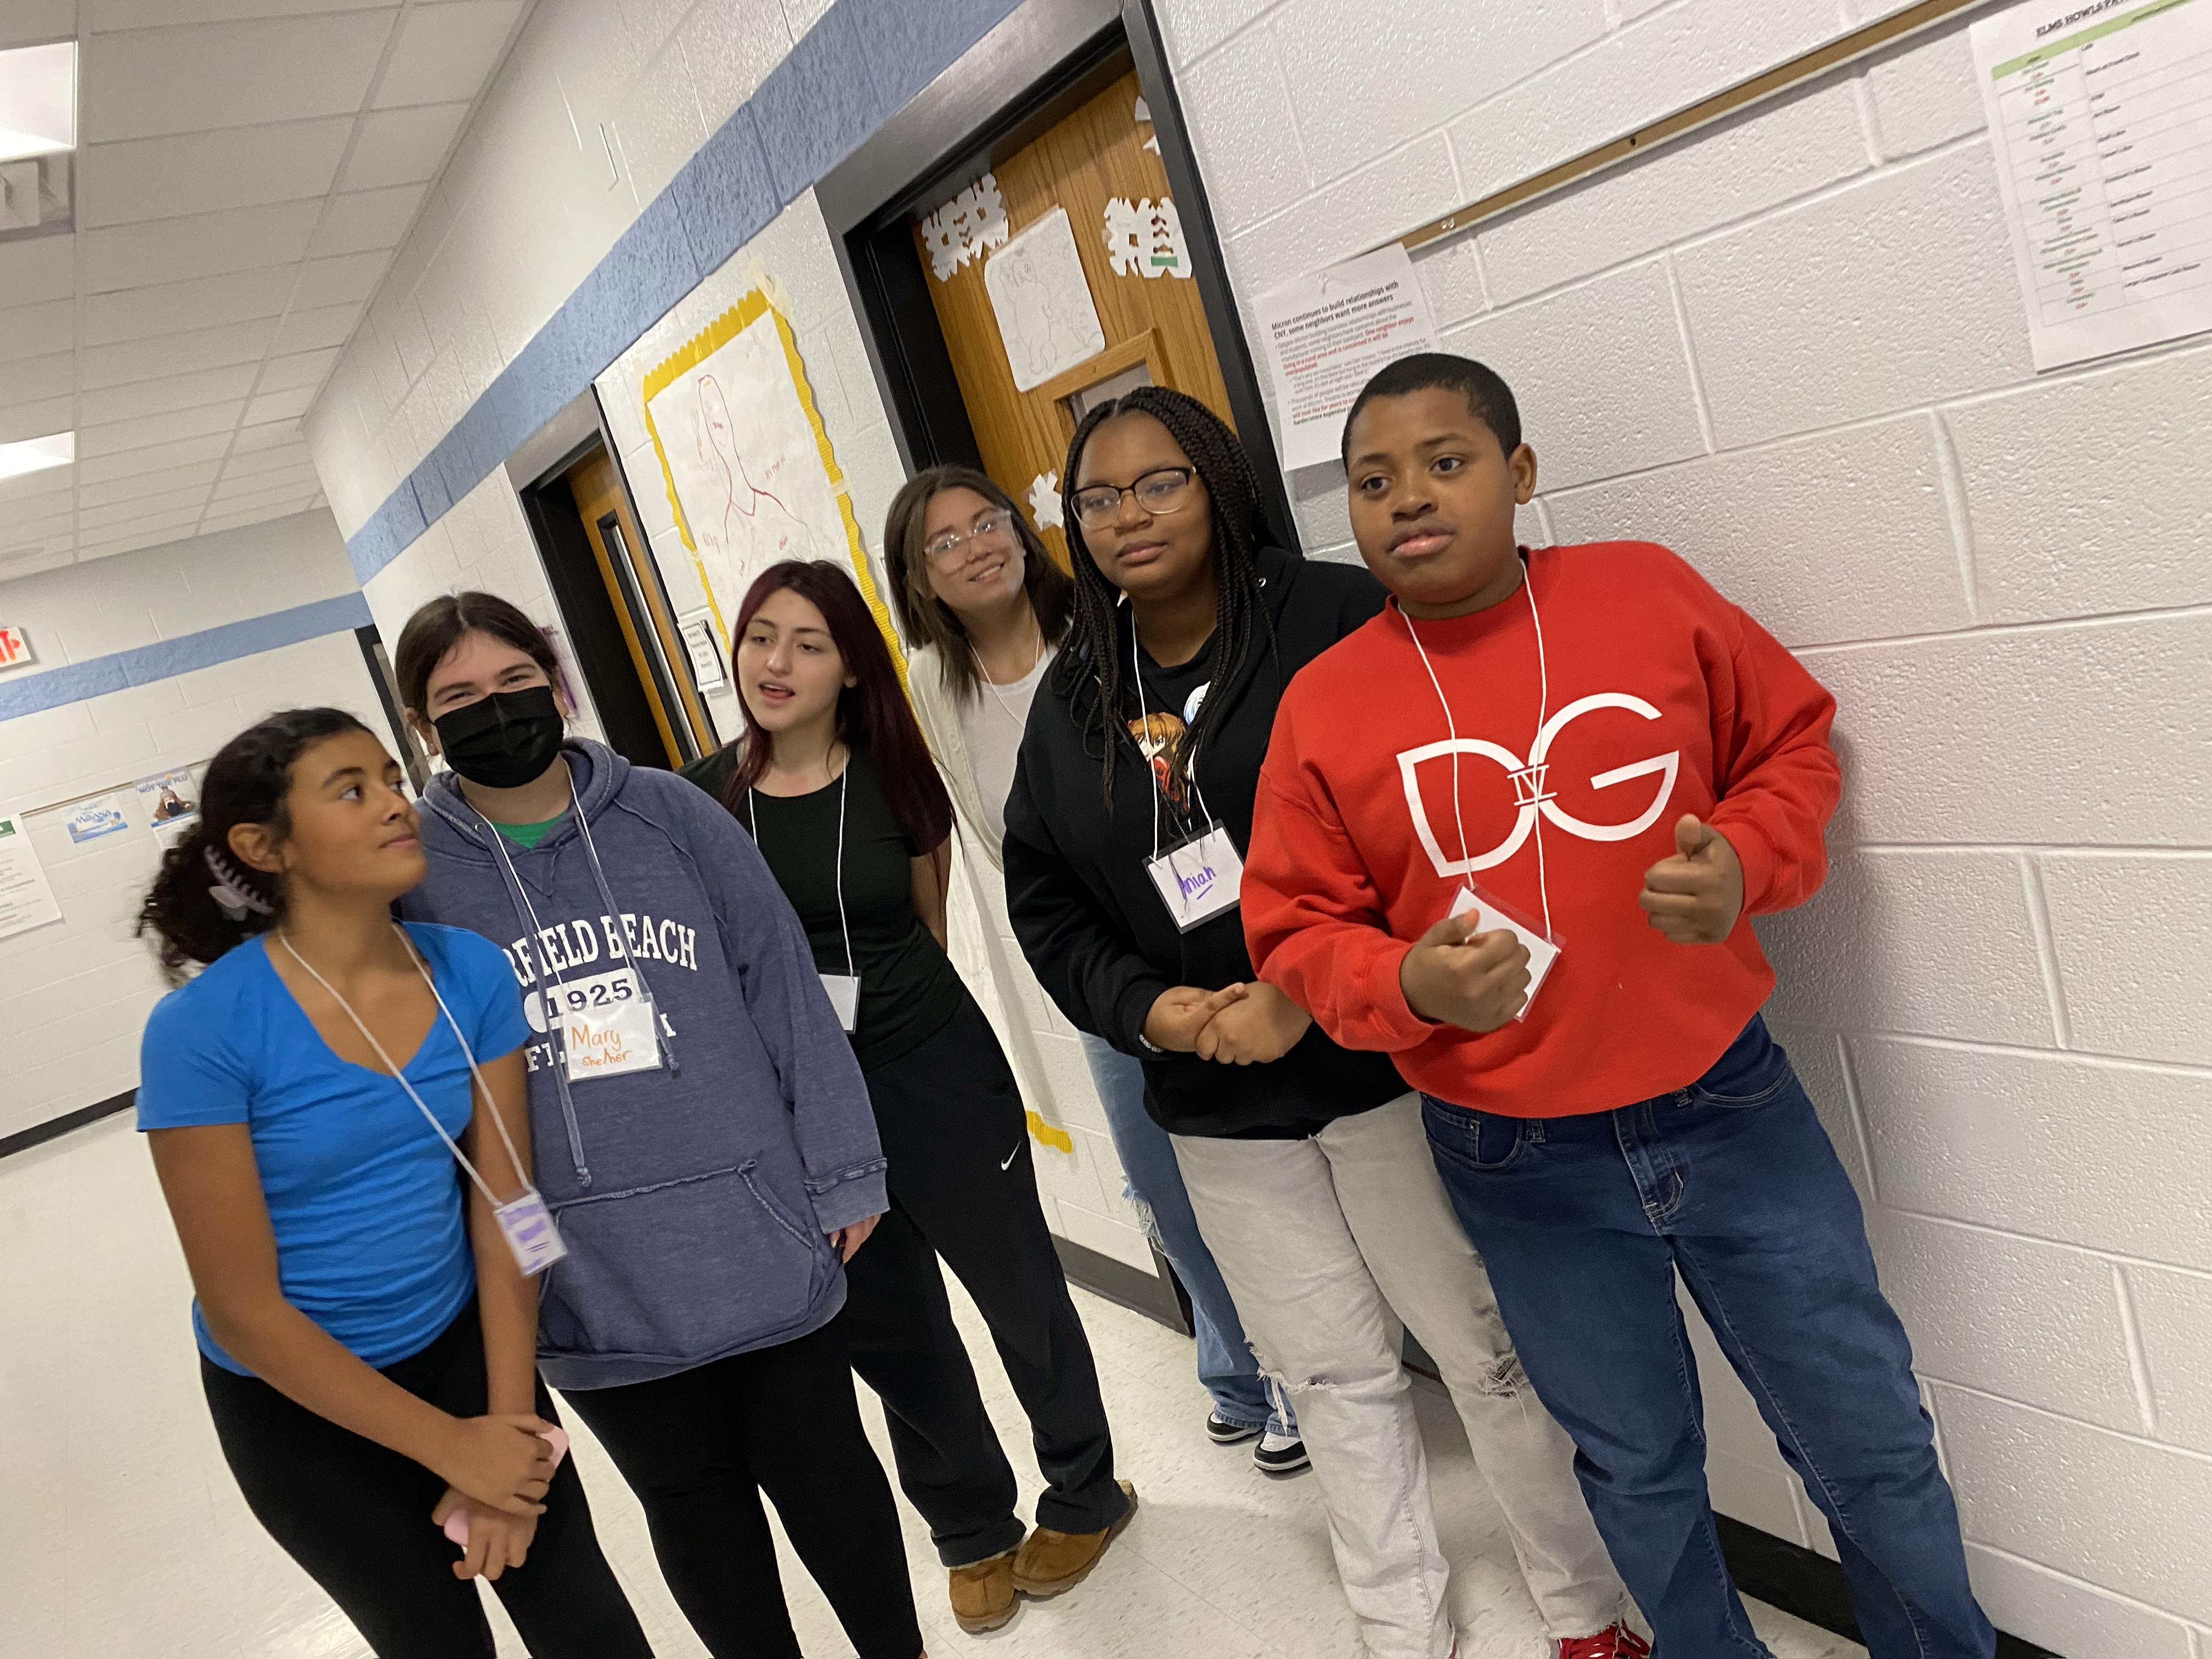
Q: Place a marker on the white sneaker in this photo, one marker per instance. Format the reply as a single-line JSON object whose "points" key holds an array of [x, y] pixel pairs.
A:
{"points": [[1279, 1454]]}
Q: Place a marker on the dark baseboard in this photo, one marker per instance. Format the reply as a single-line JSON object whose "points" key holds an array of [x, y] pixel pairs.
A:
{"points": [[23, 1139], [1806, 1584], [1153, 1295]]}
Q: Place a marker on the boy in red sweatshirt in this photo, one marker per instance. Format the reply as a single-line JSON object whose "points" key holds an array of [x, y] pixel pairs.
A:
{"points": [[1511, 832]]}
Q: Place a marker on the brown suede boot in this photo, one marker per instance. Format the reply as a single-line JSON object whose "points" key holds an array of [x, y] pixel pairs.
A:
{"points": [[983, 1593], [1050, 1562]]}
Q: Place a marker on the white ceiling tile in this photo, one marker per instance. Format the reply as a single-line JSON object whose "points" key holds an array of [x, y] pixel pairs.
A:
{"points": [[347, 279], [32, 331], [299, 478], [150, 14], [129, 539], [182, 453], [402, 146], [34, 380], [368, 219], [280, 406], [206, 386], [265, 437], [206, 172], [30, 22], [38, 269], [39, 420], [33, 561], [266, 460], [200, 244], [176, 353], [34, 493], [275, 503], [148, 484], [147, 81], [306, 368], [150, 430], [325, 326], [166, 504], [445, 51], [21, 533], [170, 308]]}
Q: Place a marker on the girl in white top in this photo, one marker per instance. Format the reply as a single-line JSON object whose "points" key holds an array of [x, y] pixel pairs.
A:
{"points": [[984, 608]]}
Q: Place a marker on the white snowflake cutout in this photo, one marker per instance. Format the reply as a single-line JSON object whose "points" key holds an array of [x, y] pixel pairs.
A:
{"points": [[1125, 237], [990, 213], [1044, 501], [943, 242], [1166, 254], [1143, 116]]}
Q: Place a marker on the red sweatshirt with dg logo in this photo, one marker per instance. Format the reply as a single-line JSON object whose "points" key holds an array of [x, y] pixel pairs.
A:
{"points": [[1613, 693]]}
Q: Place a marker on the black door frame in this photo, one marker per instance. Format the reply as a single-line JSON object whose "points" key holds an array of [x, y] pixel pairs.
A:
{"points": [[1056, 53]]}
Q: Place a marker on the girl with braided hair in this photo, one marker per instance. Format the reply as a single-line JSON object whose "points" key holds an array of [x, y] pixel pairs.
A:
{"points": [[368, 1335], [1306, 1162]]}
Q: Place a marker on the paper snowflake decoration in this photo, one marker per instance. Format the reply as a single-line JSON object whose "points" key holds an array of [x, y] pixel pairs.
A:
{"points": [[1125, 238], [1167, 254], [962, 227], [1044, 501]]}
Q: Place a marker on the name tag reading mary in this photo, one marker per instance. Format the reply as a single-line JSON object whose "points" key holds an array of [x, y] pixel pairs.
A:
{"points": [[1199, 879]]}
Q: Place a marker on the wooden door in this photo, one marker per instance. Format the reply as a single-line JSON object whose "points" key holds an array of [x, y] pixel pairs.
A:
{"points": [[641, 609], [1094, 165]]}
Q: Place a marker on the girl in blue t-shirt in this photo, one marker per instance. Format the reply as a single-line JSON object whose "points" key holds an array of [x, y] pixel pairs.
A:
{"points": [[368, 1337]]}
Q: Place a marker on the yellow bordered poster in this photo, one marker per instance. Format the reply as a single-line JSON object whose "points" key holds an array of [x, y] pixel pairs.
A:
{"points": [[747, 462]]}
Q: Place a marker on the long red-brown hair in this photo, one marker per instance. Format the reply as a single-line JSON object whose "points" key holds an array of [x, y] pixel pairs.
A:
{"points": [[873, 714]]}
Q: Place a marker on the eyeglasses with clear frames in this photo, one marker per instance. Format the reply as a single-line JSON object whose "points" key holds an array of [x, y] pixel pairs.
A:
{"points": [[956, 548], [1161, 491]]}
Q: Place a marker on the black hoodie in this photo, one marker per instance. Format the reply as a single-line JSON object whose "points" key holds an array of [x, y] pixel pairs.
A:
{"points": [[1092, 924]]}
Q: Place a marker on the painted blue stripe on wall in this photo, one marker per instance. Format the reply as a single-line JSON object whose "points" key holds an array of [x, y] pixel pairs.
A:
{"points": [[855, 68], [166, 658]]}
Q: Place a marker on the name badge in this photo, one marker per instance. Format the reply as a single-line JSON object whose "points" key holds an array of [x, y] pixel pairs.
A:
{"points": [[844, 991], [1489, 918], [530, 1236], [608, 1024], [1199, 878]]}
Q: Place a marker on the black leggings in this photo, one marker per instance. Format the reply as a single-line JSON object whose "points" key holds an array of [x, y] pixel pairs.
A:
{"points": [[356, 1517], [700, 1446]]}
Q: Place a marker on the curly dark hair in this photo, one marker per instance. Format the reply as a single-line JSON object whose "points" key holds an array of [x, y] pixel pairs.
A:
{"points": [[1089, 674], [247, 782]]}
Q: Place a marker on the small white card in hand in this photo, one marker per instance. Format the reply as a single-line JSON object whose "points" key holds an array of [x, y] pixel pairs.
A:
{"points": [[1489, 918]]}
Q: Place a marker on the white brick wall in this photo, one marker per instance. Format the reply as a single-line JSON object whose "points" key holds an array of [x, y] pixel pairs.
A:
{"points": [[1793, 348], [74, 995]]}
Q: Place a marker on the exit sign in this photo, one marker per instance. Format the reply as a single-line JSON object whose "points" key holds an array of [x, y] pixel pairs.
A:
{"points": [[14, 649]]}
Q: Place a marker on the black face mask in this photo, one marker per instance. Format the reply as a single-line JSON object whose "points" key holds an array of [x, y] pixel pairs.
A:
{"points": [[505, 740]]}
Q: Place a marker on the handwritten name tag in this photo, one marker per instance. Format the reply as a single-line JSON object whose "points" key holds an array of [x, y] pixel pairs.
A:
{"points": [[1199, 879]]}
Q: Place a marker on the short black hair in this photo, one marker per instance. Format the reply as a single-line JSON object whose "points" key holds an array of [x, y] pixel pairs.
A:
{"points": [[1486, 392]]}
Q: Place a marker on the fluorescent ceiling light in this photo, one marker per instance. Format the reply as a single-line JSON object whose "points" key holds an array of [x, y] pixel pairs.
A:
{"points": [[36, 454], [38, 100]]}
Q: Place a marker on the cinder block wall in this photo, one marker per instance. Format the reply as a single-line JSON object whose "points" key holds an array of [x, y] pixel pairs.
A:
{"points": [[1794, 349], [74, 995]]}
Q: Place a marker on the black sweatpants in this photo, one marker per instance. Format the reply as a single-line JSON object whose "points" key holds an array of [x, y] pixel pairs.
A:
{"points": [[356, 1516], [700, 1448], [962, 1187]]}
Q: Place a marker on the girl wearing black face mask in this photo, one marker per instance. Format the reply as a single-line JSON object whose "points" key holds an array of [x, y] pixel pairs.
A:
{"points": [[707, 1149]]}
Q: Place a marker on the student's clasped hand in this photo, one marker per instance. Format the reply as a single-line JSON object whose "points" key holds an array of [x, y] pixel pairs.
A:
{"points": [[503, 1462], [1695, 897], [1180, 1013], [1261, 1025], [497, 1540], [1456, 976]]}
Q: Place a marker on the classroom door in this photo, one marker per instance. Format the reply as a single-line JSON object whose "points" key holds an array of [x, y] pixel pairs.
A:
{"points": [[641, 609], [1123, 312]]}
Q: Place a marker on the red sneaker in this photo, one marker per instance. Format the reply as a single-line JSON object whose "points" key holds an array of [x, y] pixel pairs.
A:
{"points": [[1615, 1641]]}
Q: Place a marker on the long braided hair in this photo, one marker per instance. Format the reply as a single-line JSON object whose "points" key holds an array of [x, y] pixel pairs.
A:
{"points": [[1089, 673]]}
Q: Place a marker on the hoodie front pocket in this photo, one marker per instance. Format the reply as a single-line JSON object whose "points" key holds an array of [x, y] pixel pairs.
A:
{"points": [[682, 1270]]}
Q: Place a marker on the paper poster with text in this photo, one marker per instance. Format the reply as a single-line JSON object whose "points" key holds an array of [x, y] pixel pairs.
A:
{"points": [[1325, 335]]}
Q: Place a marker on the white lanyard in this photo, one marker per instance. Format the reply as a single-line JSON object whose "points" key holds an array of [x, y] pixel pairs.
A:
{"points": [[1202, 875], [1490, 917], [844, 989], [609, 1038], [528, 1229], [999, 697]]}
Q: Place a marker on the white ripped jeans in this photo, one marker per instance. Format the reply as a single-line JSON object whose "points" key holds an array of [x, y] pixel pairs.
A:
{"points": [[1331, 1246]]}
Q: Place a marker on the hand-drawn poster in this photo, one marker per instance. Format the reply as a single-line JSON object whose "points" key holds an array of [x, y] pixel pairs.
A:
{"points": [[1042, 302], [748, 465]]}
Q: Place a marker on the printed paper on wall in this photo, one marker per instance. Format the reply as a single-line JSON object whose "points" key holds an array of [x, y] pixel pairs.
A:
{"points": [[1042, 302], [25, 899]]}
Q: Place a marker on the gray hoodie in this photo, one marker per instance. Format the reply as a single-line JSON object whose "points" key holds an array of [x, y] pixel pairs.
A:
{"points": [[694, 1198]]}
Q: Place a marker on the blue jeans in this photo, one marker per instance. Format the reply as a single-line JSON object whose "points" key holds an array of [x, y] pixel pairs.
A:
{"points": [[1225, 1365], [1583, 1223]]}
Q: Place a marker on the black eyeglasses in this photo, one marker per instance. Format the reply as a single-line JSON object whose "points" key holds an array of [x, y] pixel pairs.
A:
{"points": [[1162, 490]]}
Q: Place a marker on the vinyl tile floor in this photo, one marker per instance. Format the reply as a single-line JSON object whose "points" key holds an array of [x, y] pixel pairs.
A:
{"points": [[123, 1536]]}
